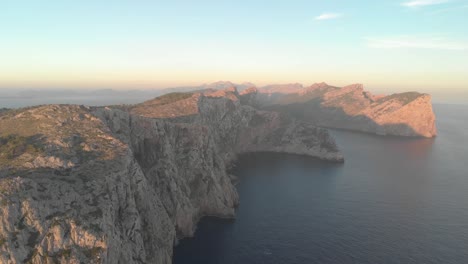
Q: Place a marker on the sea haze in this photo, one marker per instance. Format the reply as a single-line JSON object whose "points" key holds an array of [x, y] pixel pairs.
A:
{"points": [[395, 200], [15, 98]]}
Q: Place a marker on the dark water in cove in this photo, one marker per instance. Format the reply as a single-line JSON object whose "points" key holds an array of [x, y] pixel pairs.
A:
{"points": [[394, 201]]}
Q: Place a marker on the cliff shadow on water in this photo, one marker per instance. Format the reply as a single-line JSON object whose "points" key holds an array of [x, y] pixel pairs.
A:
{"points": [[273, 159], [260, 178]]}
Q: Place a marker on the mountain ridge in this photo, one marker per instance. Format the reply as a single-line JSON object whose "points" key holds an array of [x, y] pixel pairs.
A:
{"points": [[351, 107]]}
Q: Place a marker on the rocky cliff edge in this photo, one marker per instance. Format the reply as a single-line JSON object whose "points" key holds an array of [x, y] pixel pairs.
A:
{"points": [[115, 185]]}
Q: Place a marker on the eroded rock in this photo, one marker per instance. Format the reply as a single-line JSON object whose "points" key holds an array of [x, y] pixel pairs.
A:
{"points": [[109, 185]]}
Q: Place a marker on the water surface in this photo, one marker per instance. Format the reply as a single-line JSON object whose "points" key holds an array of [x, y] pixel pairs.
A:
{"points": [[394, 200]]}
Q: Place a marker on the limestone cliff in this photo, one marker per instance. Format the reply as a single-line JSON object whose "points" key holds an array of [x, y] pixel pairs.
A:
{"points": [[351, 107], [123, 184], [71, 192]]}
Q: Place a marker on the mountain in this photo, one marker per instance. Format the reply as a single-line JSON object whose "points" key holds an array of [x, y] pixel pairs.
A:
{"points": [[349, 107], [122, 184], [220, 85], [353, 108]]}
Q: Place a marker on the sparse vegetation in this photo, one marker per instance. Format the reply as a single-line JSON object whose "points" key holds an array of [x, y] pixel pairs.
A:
{"points": [[58, 135], [32, 240], [95, 214], [54, 215], [172, 105], [405, 98], [64, 253], [55, 222], [31, 255], [3, 189], [93, 253], [20, 225], [13, 146], [2, 241], [95, 228], [170, 98]]}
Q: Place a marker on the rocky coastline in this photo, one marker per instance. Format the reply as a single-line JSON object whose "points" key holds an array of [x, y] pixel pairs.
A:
{"points": [[124, 184], [407, 114]]}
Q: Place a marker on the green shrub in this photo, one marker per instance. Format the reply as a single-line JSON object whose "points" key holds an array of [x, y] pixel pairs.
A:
{"points": [[65, 253]]}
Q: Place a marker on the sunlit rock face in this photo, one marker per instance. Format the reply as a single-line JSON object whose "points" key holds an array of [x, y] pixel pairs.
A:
{"points": [[122, 184], [351, 107]]}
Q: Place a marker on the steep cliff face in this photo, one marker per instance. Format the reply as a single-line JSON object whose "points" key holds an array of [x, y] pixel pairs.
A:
{"points": [[107, 185], [350, 107], [182, 164], [88, 203], [239, 128]]}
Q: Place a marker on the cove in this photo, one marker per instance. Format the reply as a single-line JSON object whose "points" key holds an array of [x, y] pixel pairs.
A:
{"points": [[394, 200]]}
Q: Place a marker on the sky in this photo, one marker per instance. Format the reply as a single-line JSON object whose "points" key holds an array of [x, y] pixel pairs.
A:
{"points": [[388, 45]]}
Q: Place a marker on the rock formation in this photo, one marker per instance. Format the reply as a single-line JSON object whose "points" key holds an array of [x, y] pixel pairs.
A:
{"points": [[350, 107], [123, 184]]}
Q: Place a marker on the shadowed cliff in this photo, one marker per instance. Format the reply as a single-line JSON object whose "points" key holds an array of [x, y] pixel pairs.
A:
{"points": [[350, 107]]}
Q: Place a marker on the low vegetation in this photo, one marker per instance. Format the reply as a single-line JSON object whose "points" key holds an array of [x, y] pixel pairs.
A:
{"points": [[169, 98], [93, 253], [405, 98], [53, 135], [64, 253], [168, 106], [13, 146]]}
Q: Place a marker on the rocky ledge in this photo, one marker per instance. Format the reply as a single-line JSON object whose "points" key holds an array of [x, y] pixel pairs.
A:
{"points": [[353, 108], [122, 184]]}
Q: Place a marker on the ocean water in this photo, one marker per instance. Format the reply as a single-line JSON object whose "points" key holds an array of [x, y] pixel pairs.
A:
{"points": [[89, 100], [394, 200]]}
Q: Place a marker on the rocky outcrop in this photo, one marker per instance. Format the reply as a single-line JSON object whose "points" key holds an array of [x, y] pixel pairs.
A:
{"points": [[100, 209], [110, 185], [350, 107]]}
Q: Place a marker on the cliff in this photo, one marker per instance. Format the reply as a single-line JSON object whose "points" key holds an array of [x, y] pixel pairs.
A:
{"points": [[123, 184], [351, 107]]}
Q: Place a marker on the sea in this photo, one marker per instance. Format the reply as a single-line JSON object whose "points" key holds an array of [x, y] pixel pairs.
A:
{"points": [[394, 200]]}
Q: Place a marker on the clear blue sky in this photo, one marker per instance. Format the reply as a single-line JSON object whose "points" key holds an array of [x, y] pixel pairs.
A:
{"points": [[386, 44]]}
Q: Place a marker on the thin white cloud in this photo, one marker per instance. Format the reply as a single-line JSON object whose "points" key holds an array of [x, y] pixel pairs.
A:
{"points": [[420, 3], [328, 16], [449, 9], [407, 42]]}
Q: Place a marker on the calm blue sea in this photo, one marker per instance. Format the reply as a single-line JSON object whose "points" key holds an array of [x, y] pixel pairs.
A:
{"points": [[393, 201]]}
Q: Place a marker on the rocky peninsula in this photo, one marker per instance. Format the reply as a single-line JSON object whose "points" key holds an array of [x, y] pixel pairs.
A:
{"points": [[351, 107], [122, 184]]}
